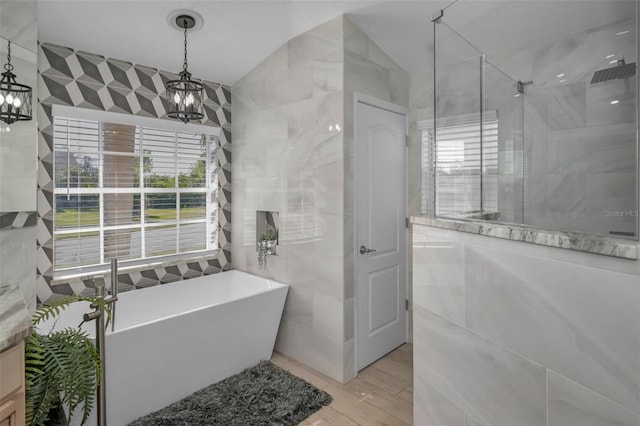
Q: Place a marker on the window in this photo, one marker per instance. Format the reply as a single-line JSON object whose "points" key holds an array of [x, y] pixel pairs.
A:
{"points": [[465, 173], [131, 192]]}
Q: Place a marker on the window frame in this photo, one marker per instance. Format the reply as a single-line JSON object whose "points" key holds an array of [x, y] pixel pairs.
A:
{"points": [[429, 166], [211, 211]]}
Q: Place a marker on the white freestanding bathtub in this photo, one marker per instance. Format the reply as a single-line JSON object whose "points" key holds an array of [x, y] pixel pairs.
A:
{"points": [[174, 339]]}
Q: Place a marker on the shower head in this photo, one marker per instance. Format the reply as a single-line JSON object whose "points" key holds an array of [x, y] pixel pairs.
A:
{"points": [[622, 70]]}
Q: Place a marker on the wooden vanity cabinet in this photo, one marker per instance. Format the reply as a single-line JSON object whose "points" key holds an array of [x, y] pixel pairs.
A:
{"points": [[12, 386]]}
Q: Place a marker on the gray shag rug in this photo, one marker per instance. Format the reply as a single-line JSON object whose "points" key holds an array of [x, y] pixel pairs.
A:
{"points": [[259, 396]]}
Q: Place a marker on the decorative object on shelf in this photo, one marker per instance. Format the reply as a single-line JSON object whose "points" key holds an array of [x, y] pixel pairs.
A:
{"points": [[266, 246], [61, 367], [15, 98], [266, 235], [184, 96]]}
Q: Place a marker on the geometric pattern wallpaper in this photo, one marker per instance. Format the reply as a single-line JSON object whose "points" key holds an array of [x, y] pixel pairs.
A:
{"points": [[80, 79], [17, 220]]}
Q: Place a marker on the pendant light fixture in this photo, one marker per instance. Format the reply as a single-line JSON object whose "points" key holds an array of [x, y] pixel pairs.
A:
{"points": [[184, 96], [15, 98]]}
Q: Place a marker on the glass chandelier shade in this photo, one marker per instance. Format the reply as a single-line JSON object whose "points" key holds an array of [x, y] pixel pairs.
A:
{"points": [[15, 98], [184, 96]]}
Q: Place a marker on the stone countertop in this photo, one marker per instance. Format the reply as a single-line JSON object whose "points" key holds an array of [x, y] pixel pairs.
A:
{"points": [[15, 319], [616, 247]]}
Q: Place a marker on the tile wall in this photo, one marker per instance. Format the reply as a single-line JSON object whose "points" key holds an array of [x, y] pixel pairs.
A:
{"points": [[509, 333], [580, 150], [18, 253], [18, 156], [290, 157]]}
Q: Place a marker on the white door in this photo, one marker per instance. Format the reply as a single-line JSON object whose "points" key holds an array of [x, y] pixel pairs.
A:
{"points": [[381, 232]]}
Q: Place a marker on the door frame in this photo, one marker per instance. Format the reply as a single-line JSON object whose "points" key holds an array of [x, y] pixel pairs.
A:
{"points": [[362, 98]]}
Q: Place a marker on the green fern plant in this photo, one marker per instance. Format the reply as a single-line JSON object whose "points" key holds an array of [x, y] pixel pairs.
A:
{"points": [[61, 366]]}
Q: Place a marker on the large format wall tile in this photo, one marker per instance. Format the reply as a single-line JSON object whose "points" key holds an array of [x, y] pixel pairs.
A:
{"points": [[288, 158], [19, 142], [363, 54], [579, 321], [293, 144], [364, 74], [470, 421], [17, 260], [573, 405], [18, 158], [564, 106], [323, 352], [488, 382], [438, 278], [433, 408], [309, 46], [18, 165], [582, 150], [568, 328], [574, 316], [600, 111]]}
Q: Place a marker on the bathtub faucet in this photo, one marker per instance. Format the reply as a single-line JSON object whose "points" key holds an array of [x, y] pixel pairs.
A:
{"points": [[98, 315], [114, 293]]}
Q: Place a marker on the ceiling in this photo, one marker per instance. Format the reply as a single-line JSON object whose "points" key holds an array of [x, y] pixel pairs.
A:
{"points": [[238, 34]]}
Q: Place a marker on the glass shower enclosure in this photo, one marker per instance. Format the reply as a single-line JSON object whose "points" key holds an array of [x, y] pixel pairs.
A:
{"points": [[543, 134]]}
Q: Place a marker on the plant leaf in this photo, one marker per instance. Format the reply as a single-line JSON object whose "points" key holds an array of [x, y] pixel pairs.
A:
{"points": [[60, 365]]}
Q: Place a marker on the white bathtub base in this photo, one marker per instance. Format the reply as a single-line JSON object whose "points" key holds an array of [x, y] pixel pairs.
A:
{"points": [[231, 338], [153, 360]]}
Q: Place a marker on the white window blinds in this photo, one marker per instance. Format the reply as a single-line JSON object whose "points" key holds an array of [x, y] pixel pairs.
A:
{"points": [[465, 172], [131, 192]]}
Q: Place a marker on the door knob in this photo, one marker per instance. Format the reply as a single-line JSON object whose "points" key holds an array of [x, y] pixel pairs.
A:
{"points": [[364, 250]]}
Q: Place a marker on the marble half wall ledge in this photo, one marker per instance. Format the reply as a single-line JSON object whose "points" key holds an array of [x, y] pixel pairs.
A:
{"points": [[614, 247], [17, 220]]}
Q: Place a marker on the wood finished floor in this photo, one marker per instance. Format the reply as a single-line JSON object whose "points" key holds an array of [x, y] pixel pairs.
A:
{"points": [[382, 394]]}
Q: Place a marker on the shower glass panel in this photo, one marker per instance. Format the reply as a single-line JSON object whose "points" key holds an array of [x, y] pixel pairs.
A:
{"points": [[543, 131], [580, 126], [454, 136], [503, 173], [474, 142]]}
